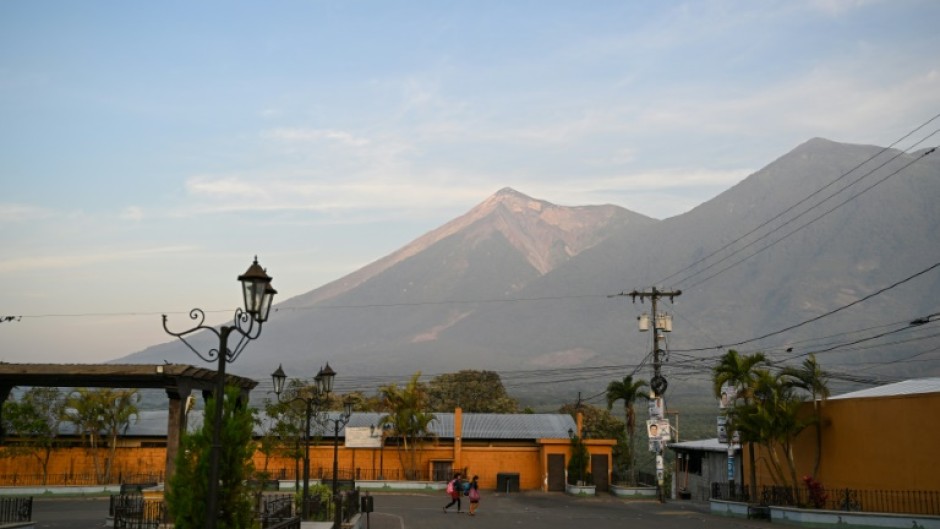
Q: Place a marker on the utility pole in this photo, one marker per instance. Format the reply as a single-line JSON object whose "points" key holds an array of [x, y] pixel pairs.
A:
{"points": [[661, 323], [657, 431]]}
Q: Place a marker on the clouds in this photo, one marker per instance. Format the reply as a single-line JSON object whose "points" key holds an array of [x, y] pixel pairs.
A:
{"points": [[325, 136]]}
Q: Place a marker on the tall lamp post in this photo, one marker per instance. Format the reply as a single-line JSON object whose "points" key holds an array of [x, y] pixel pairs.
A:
{"points": [[337, 422], [258, 294], [312, 403]]}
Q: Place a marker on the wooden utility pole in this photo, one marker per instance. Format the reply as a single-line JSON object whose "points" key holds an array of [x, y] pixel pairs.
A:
{"points": [[658, 383]]}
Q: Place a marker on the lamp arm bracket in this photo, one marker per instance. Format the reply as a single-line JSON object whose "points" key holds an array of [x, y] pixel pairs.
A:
{"points": [[200, 317]]}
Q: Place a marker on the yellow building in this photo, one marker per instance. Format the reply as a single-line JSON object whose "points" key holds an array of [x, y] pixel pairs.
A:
{"points": [[883, 438], [524, 451]]}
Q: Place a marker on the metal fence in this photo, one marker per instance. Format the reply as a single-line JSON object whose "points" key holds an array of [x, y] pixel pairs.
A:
{"points": [[349, 474], [722, 491], [923, 502], [72, 479], [14, 510], [133, 511]]}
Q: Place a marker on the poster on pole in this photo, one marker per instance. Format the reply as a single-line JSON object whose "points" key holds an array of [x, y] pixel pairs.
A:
{"points": [[659, 430], [728, 396], [656, 408]]}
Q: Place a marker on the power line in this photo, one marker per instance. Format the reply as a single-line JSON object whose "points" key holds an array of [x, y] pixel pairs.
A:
{"points": [[806, 198], [821, 316], [797, 229]]}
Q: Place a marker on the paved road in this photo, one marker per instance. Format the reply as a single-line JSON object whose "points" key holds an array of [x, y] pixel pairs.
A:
{"points": [[547, 511], [497, 511], [56, 513]]}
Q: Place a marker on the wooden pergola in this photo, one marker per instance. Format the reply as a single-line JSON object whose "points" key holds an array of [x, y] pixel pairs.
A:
{"points": [[178, 380]]}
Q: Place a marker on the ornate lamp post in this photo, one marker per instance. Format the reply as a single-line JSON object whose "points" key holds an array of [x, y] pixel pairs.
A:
{"points": [[258, 294], [337, 422], [312, 403]]}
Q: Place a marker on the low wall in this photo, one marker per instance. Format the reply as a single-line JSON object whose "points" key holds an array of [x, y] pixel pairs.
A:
{"points": [[77, 490], [822, 518], [634, 492]]}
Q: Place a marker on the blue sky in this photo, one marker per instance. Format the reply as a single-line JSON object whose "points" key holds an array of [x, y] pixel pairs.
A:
{"points": [[149, 150]]}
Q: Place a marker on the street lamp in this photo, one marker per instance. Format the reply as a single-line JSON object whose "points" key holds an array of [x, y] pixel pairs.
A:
{"points": [[337, 422], [319, 395], [258, 294]]}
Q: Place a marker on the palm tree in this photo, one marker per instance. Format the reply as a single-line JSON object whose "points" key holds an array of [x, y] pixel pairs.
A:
{"points": [[409, 418], [628, 391], [811, 378], [740, 371], [84, 409], [772, 419]]}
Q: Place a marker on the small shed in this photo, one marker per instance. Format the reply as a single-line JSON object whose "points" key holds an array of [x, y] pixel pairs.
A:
{"points": [[701, 463]]}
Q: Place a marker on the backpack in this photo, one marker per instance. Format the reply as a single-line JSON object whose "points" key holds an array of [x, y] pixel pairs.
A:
{"points": [[450, 487]]}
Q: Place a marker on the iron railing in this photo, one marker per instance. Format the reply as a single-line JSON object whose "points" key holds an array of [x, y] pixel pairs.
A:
{"points": [[133, 511], [14, 510], [358, 474], [279, 509], [723, 491], [72, 479], [922, 502]]}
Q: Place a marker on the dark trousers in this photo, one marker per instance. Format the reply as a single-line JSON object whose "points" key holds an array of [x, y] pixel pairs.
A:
{"points": [[456, 499]]}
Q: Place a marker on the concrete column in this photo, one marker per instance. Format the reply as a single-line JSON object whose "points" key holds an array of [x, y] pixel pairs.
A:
{"points": [[458, 438], [176, 425]]}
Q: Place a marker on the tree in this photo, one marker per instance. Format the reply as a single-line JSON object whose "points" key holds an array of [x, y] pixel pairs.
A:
{"points": [[772, 418], [628, 391], [473, 391], [739, 372], [119, 407], [599, 423], [408, 413], [578, 464], [287, 432], [813, 380], [35, 417], [84, 409], [186, 499]]}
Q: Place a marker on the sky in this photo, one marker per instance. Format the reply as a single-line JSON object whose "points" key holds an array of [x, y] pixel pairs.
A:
{"points": [[149, 150]]}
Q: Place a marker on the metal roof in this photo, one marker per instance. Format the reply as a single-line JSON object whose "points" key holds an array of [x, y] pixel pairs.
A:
{"points": [[908, 387], [517, 426], [703, 445], [153, 423]]}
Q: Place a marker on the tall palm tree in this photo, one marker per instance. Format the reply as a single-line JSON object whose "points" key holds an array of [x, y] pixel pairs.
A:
{"points": [[739, 371], [812, 379], [628, 391], [407, 413]]}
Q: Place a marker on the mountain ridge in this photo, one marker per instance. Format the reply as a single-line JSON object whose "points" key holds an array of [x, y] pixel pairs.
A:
{"points": [[518, 283]]}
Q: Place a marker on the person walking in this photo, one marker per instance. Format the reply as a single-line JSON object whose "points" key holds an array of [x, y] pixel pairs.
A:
{"points": [[453, 490], [474, 495]]}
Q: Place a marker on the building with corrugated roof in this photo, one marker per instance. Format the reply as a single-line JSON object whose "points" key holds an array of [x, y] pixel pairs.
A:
{"points": [[528, 451], [880, 438]]}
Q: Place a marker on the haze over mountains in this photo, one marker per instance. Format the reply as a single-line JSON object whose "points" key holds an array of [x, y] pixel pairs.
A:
{"points": [[529, 288]]}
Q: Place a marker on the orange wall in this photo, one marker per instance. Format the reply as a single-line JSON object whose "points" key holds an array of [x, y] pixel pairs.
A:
{"points": [[78, 461], [883, 443], [530, 462]]}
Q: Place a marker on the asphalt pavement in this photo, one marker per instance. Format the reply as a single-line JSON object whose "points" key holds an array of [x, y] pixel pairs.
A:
{"points": [[496, 511]]}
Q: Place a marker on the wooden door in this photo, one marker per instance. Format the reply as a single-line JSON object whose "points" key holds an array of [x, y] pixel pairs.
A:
{"points": [[556, 472], [599, 472]]}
